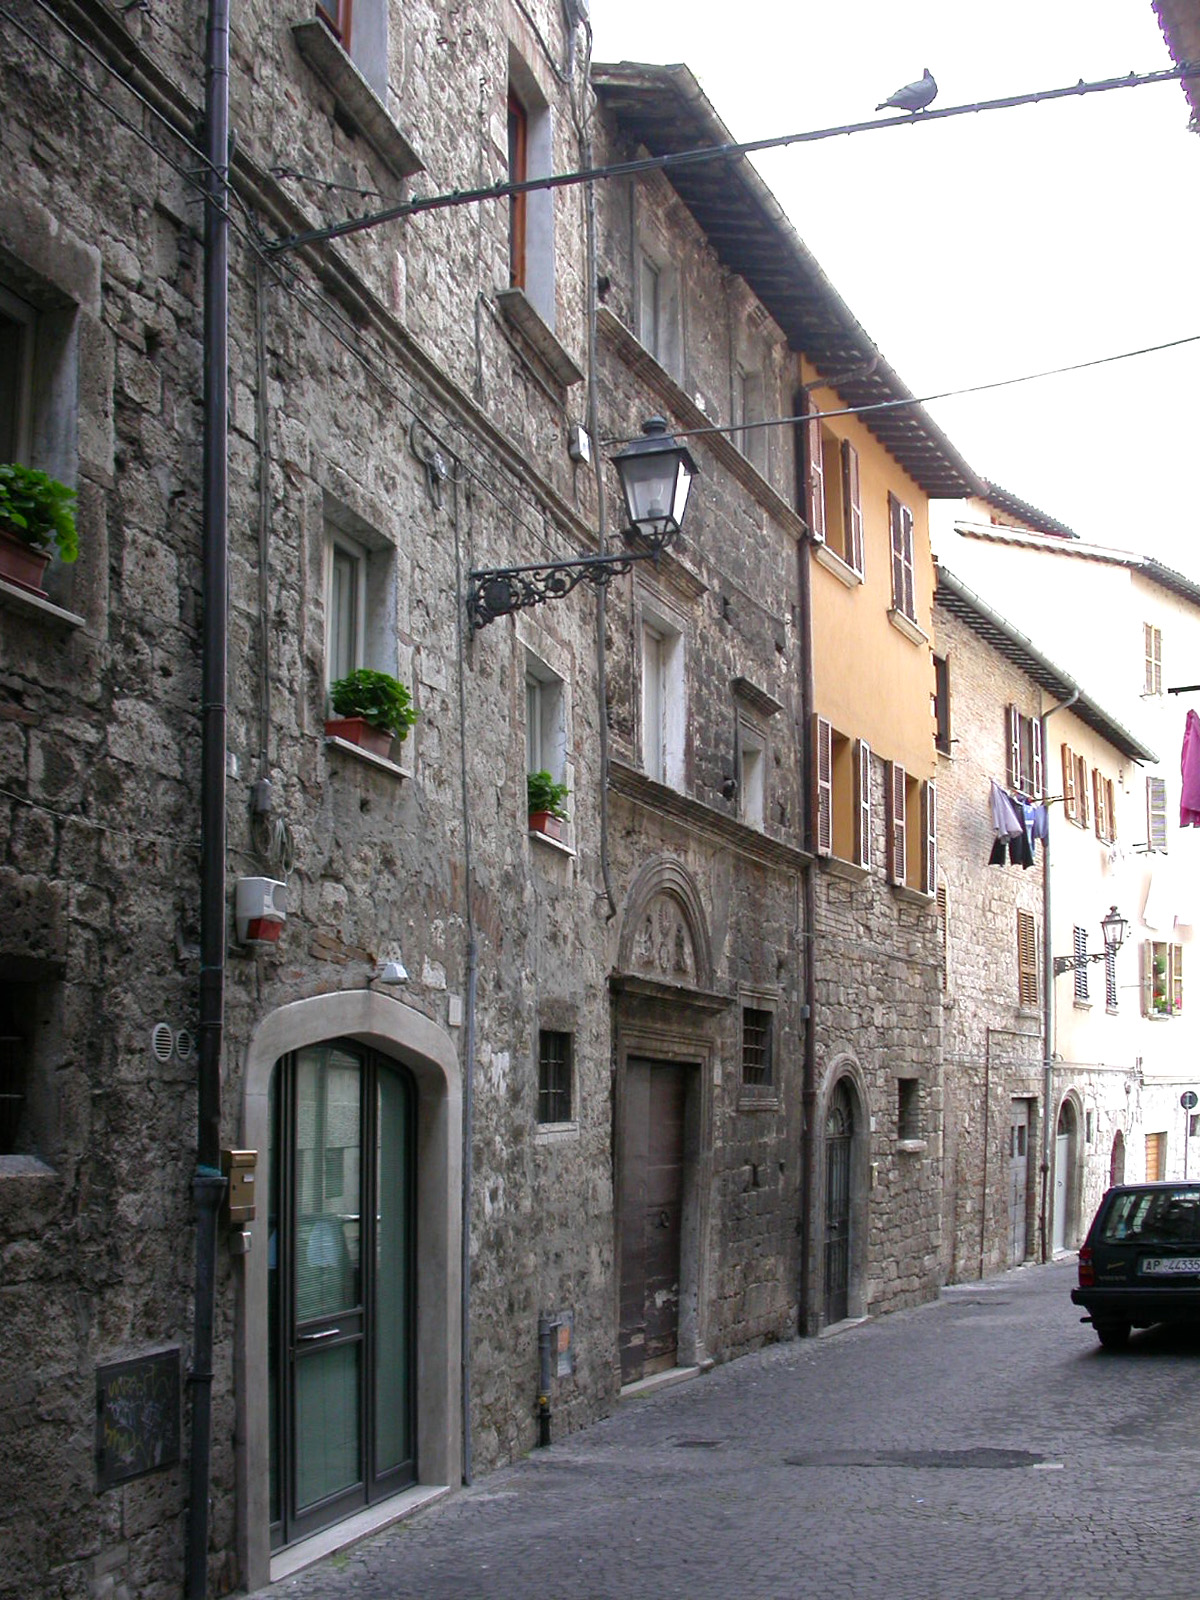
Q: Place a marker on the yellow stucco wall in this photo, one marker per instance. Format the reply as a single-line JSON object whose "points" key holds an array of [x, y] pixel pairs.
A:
{"points": [[871, 681]]}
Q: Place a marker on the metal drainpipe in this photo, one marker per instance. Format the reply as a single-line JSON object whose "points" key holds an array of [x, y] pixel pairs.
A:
{"points": [[1047, 998], [808, 1319], [208, 1185]]}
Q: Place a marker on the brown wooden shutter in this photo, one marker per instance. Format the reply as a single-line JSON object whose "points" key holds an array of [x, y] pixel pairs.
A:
{"points": [[943, 915], [1156, 813], [1147, 977], [1038, 777], [897, 528], [1070, 805], [852, 506], [897, 780], [1156, 1157], [906, 545], [1081, 790], [862, 841], [814, 486], [823, 778], [1027, 965], [1176, 972], [929, 803], [1098, 798], [1014, 748]]}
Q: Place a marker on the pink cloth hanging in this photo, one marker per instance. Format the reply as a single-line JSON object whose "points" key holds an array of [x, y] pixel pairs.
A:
{"points": [[1189, 799]]}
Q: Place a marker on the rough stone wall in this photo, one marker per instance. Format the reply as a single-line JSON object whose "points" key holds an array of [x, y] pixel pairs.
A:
{"points": [[992, 1044]]}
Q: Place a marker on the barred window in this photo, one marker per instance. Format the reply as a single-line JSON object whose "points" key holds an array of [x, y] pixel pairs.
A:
{"points": [[757, 1066], [554, 1076]]}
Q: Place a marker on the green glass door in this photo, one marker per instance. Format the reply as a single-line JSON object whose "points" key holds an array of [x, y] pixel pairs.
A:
{"points": [[340, 1274]]}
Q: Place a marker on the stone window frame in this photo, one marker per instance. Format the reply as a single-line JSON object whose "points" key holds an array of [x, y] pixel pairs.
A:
{"points": [[549, 1088], [664, 759], [544, 657], [31, 992], [762, 1001], [910, 1126], [558, 1016]]}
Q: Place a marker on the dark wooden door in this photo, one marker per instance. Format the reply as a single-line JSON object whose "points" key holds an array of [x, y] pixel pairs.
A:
{"points": [[651, 1216], [839, 1135]]}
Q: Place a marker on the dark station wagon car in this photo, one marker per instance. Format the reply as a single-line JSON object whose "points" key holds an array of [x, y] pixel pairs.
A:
{"points": [[1140, 1263]]}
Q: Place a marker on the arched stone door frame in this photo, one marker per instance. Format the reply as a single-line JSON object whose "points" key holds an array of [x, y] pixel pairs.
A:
{"points": [[844, 1068], [406, 1035], [1070, 1109]]}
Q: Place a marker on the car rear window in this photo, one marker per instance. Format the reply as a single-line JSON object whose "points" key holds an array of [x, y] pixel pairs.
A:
{"points": [[1159, 1216]]}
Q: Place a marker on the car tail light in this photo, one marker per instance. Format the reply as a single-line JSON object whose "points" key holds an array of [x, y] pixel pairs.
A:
{"points": [[1087, 1271]]}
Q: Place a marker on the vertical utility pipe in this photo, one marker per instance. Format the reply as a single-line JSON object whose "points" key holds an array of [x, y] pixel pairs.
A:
{"points": [[987, 1134], [808, 943], [1047, 1249], [208, 1185]]}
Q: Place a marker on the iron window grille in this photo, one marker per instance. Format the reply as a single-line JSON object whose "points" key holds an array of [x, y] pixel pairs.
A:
{"points": [[757, 1065], [554, 1076]]}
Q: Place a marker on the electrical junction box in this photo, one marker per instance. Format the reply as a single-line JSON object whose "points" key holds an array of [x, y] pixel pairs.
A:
{"points": [[240, 1168], [260, 910]]}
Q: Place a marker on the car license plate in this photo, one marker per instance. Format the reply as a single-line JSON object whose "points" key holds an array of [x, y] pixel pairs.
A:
{"points": [[1169, 1266]]}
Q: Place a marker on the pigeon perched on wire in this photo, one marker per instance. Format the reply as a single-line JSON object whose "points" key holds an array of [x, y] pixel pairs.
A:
{"points": [[913, 96]]}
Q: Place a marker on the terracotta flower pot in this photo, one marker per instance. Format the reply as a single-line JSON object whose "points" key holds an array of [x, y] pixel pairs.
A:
{"points": [[546, 822], [21, 563], [378, 741]]}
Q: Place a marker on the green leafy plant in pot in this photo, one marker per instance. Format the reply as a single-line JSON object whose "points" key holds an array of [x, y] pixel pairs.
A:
{"points": [[371, 709], [37, 518], [546, 796]]}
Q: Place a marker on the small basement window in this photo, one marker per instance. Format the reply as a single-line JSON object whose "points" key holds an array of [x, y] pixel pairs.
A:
{"points": [[908, 1119]]}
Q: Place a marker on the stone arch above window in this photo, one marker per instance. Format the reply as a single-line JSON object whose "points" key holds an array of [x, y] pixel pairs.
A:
{"points": [[664, 932]]}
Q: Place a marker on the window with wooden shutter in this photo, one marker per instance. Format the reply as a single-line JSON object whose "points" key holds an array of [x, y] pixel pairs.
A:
{"points": [[1156, 1157], [1014, 748], [1070, 802], [1156, 813], [518, 172], [1080, 951], [335, 14], [903, 583], [823, 779], [929, 806], [941, 704], [1153, 639], [862, 836], [814, 484], [1037, 775], [852, 507], [943, 917], [1103, 793], [1110, 980], [1081, 791], [1162, 979], [1024, 742], [897, 789], [1027, 961]]}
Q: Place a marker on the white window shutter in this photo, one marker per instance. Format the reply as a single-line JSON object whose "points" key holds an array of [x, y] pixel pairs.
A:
{"points": [[852, 498], [1038, 775], [815, 486], [930, 802], [1014, 748], [897, 823], [823, 777], [1156, 813], [863, 798]]}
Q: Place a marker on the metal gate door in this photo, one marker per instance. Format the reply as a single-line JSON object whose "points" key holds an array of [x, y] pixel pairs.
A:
{"points": [[1018, 1181], [651, 1216], [839, 1134]]}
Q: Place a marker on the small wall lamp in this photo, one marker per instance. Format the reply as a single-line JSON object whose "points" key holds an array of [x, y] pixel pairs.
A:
{"points": [[1114, 927]]}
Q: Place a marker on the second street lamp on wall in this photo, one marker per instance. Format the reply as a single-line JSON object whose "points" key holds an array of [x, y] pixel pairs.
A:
{"points": [[1114, 927], [656, 474]]}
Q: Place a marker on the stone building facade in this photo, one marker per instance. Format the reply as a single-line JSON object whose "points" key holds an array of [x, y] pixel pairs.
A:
{"points": [[474, 1049]]}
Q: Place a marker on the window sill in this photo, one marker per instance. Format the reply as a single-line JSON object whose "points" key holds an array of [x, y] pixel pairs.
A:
{"points": [[14, 598], [1081, 1005], [355, 96], [761, 1099], [906, 626], [839, 867], [911, 1147], [381, 762], [912, 897], [832, 562], [520, 314], [24, 1167], [561, 845], [555, 1132]]}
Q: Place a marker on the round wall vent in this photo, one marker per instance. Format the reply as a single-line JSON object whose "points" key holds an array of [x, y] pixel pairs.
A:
{"points": [[162, 1041], [184, 1044]]}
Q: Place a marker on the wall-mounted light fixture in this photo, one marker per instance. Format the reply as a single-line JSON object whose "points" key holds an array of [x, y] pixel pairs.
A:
{"points": [[656, 475], [1114, 927]]}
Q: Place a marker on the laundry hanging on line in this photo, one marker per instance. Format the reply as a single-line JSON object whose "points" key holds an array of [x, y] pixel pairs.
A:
{"points": [[1016, 824], [1189, 766]]}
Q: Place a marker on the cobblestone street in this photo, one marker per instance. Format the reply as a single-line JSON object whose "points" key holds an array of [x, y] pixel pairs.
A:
{"points": [[979, 1448]]}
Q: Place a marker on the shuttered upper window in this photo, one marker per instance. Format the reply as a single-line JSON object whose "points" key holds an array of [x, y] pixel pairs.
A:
{"points": [[832, 491], [1080, 952], [904, 597], [1075, 787], [1027, 962], [1106, 821], [1024, 738], [1162, 979], [1156, 813], [1153, 652]]}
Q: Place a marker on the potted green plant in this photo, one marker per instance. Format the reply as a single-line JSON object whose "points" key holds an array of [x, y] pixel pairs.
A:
{"points": [[371, 709], [546, 795], [36, 518]]}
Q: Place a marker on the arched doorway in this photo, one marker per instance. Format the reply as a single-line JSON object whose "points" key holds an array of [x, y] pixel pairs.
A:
{"points": [[340, 1285], [1116, 1162], [1064, 1173], [839, 1145]]}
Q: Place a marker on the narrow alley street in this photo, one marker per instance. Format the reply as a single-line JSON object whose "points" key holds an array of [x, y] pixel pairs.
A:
{"points": [[978, 1448]]}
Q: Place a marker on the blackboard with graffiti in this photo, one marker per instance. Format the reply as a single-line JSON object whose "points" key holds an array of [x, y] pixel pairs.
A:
{"points": [[137, 1417]]}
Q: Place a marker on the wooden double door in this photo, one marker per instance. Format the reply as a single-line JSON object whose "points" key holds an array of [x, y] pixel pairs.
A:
{"points": [[651, 1215]]}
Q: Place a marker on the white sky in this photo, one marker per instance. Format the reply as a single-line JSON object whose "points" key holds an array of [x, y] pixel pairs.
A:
{"points": [[987, 247]]}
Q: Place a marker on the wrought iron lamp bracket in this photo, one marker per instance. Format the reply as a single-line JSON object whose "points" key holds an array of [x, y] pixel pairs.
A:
{"points": [[497, 591]]}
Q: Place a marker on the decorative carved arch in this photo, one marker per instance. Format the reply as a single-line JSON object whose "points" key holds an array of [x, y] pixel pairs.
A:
{"points": [[664, 884]]}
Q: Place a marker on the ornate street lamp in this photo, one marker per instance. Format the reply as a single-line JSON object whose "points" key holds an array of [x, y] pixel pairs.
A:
{"points": [[656, 475], [1114, 927]]}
